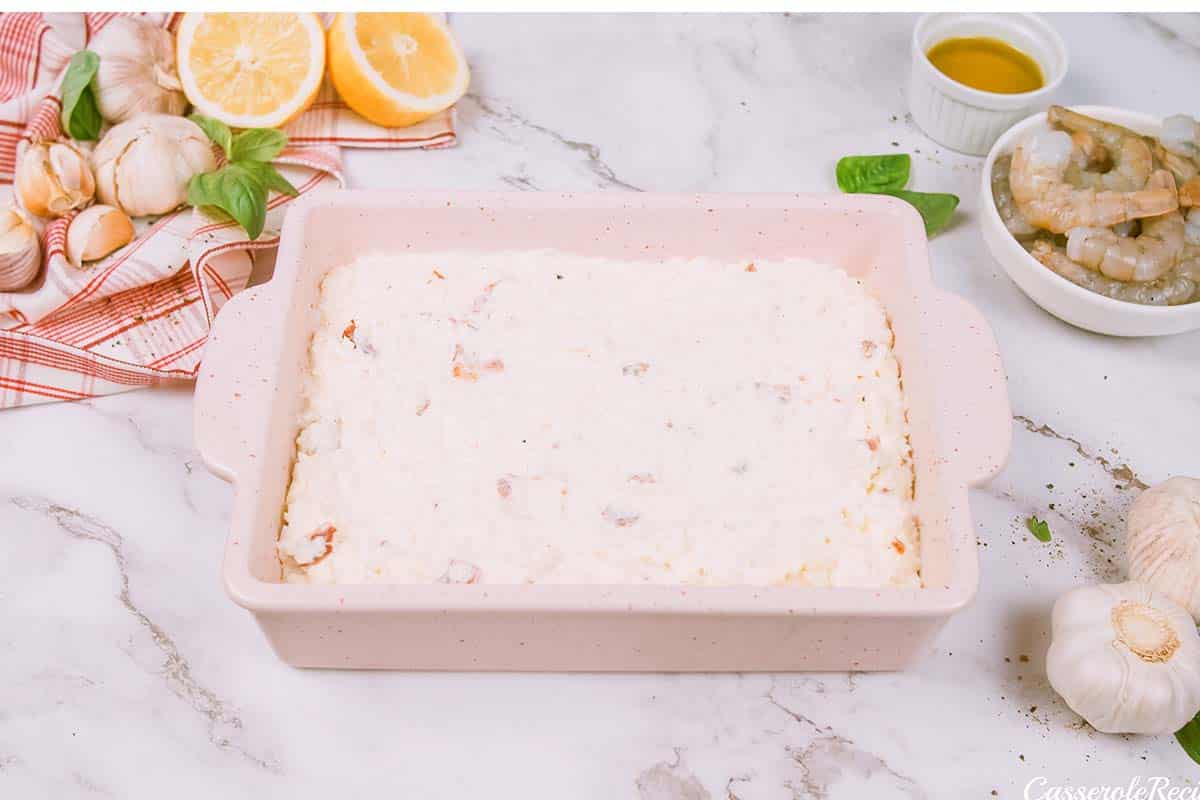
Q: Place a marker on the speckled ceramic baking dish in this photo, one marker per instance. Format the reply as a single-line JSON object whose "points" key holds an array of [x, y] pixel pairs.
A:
{"points": [[248, 399]]}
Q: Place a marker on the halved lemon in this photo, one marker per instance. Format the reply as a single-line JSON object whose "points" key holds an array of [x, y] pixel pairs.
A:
{"points": [[250, 70], [396, 69]]}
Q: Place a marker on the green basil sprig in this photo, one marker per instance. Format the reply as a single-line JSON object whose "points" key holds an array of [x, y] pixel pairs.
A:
{"points": [[1189, 738], [80, 114], [888, 174], [240, 188]]}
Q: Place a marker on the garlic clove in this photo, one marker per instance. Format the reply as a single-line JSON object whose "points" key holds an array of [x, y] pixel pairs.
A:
{"points": [[1125, 658], [53, 178], [72, 170], [20, 250], [137, 70], [1162, 541], [97, 232], [143, 166]]}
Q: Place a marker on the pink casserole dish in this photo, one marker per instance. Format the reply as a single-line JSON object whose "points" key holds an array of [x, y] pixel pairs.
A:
{"points": [[247, 402]]}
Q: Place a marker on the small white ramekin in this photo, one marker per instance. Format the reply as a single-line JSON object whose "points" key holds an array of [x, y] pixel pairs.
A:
{"points": [[969, 120]]}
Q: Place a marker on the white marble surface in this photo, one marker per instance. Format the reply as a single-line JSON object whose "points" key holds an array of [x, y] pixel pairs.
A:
{"points": [[125, 671]]}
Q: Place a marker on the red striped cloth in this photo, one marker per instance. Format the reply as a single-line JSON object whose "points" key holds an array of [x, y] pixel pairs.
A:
{"points": [[142, 315]]}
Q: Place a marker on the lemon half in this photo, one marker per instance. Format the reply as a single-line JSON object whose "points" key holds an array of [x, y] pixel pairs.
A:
{"points": [[250, 70], [396, 69]]}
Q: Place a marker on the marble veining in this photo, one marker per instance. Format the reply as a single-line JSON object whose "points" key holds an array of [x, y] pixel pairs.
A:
{"points": [[126, 671], [222, 723]]}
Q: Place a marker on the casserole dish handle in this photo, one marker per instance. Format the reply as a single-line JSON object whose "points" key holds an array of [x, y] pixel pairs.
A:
{"points": [[228, 383], [974, 389]]}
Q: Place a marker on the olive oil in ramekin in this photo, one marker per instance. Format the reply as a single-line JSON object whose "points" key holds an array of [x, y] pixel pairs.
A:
{"points": [[987, 64]]}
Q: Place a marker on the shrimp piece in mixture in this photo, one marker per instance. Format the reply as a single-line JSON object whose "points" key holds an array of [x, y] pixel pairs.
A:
{"points": [[1047, 201], [1152, 254], [1170, 290]]}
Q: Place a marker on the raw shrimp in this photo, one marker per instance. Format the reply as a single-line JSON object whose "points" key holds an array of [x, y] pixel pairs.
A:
{"points": [[1089, 153], [1106, 132], [1181, 134], [1182, 167], [1088, 157], [1189, 262], [1047, 201], [1152, 254], [1127, 258], [1189, 193], [1106, 156], [1017, 225], [1189, 265], [1129, 228], [1191, 229], [1170, 290]]}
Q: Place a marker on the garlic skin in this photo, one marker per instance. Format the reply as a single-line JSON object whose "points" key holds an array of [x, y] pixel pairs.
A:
{"points": [[143, 165], [1162, 542], [53, 178], [137, 70], [97, 232], [20, 250], [1125, 658]]}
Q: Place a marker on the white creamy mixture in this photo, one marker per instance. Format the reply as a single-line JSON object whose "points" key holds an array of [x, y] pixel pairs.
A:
{"points": [[545, 417]]}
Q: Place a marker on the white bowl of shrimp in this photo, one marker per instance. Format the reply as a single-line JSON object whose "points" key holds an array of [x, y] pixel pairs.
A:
{"points": [[1083, 259]]}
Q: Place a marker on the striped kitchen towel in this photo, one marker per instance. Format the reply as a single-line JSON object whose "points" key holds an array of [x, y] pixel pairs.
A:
{"points": [[141, 316]]}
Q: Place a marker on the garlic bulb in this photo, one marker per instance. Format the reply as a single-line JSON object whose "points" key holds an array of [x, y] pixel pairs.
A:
{"points": [[97, 232], [20, 250], [53, 178], [1163, 541], [137, 70], [1125, 658], [143, 165]]}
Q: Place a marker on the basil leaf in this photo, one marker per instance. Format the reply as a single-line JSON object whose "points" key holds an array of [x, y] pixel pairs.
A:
{"points": [[1189, 738], [215, 130], [936, 209], [245, 199], [257, 144], [204, 190], [80, 116], [234, 191], [873, 174], [1039, 529], [268, 176]]}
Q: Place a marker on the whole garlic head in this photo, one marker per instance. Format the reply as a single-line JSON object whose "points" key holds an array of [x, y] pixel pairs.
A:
{"points": [[1125, 658], [97, 232], [53, 178], [143, 165], [1163, 541], [20, 250], [137, 70]]}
